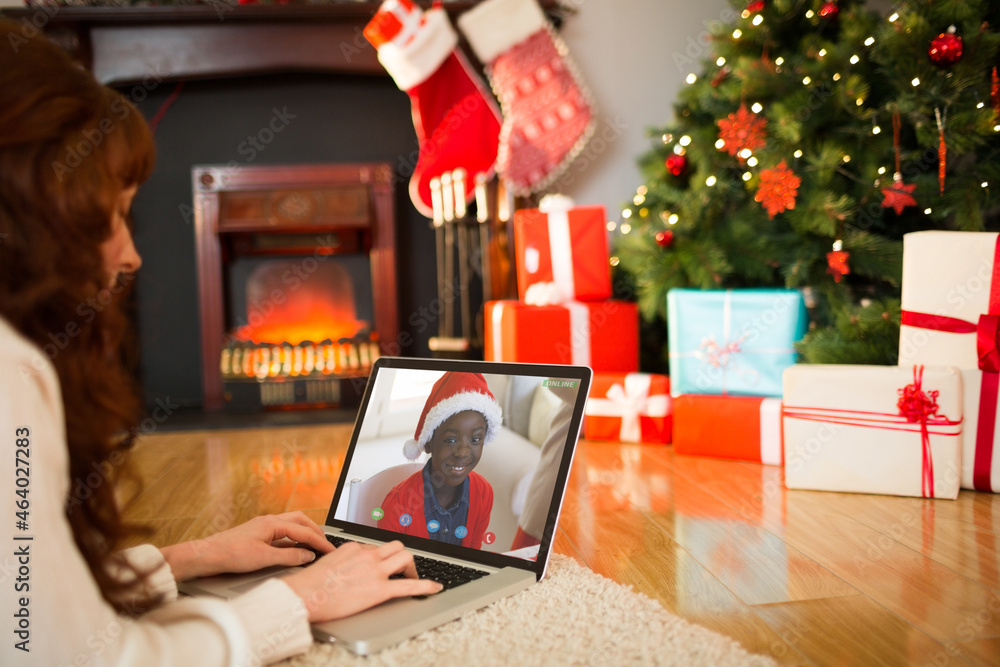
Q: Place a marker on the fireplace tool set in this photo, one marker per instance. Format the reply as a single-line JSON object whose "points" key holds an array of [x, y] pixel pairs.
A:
{"points": [[467, 257]]}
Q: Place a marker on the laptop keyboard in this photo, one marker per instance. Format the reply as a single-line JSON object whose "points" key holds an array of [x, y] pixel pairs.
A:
{"points": [[447, 574]]}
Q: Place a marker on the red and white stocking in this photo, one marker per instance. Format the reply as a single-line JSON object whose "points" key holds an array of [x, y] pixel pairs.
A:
{"points": [[456, 119], [548, 116]]}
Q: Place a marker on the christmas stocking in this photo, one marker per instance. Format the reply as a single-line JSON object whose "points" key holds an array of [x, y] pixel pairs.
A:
{"points": [[548, 116], [455, 117]]}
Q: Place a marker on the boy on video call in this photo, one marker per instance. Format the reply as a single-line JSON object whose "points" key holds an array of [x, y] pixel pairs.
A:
{"points": [[446, 501]]}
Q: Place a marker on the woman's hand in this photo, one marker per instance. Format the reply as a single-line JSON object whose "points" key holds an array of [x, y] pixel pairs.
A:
{"points": [[258, 543], [355, 577]]}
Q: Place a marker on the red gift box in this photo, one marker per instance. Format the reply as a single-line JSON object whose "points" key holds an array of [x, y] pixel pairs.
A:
{"points": [[729, 427], [628, 407], [604, 336], [568, 247]]}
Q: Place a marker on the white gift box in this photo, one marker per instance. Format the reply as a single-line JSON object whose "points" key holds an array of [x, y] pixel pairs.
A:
{"points": [[893, 430], [947, 279], [980, 463], [951, 316]]}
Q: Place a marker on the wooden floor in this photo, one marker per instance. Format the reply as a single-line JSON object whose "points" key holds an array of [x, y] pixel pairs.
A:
{"points": [[806, 577]]}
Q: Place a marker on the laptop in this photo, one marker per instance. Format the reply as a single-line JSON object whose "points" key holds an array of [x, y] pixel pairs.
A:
{"points": [[497, 534]]}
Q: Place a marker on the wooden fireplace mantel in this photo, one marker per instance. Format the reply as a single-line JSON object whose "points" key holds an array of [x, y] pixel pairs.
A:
{"points": [[221, 38]]}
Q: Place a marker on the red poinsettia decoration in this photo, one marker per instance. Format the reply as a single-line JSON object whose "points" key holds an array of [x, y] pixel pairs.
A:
{"points": [[742, 129], [778, 188], [899, 195]]}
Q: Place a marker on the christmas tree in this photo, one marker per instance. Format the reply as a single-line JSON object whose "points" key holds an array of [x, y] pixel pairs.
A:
{"points": [[813, 138]]}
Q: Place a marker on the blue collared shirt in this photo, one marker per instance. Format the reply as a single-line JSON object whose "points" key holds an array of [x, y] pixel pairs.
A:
{"points": [[448, 519]]}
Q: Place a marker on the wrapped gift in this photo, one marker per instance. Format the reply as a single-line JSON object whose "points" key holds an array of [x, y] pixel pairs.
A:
{"points": [[728, 427], [980, 461], [604, 336], [732, 341], [951, 316], [628, 407], [567, 247], [893, 430]]}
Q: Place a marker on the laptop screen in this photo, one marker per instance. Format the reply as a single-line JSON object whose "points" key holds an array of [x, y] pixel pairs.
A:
{"points": [[468, 459]]}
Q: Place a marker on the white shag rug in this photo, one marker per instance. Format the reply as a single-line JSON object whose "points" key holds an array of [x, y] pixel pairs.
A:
{"points": [[572, 617]]}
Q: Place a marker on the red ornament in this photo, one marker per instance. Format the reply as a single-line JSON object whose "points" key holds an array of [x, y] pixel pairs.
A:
{"points": [[829, 10], [742, 129], [665, 238], [898, 195], [837, 262], [778, 188], [995, 91], [755, 6], [676, 164], [946, 49]]}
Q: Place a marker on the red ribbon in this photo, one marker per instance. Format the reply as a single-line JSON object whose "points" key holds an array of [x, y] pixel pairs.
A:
{"points": [[916, 407], [987, 331]]}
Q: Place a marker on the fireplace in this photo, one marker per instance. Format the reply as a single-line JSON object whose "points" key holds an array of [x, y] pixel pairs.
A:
{"points": [[211, 74], [290, 260]]}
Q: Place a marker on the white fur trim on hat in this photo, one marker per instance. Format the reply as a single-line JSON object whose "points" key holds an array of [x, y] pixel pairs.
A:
{"points": [[482, 403], [494, 26], [413, 63]]}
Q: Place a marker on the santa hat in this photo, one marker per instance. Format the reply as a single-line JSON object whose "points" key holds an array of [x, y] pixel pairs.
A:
{"points": [[454, 392]]}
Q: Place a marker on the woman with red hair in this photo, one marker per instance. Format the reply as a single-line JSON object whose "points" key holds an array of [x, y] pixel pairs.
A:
{"points": [[72, 154]]}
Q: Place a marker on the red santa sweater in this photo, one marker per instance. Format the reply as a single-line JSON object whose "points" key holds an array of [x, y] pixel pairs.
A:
{"points": [[407, 497]]}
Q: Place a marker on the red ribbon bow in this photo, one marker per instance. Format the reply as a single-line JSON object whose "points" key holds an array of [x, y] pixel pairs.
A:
{"points": [[918, 405]]}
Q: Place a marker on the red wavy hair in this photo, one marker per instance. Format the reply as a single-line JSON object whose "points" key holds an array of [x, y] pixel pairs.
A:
{"points": [[68, 147]]}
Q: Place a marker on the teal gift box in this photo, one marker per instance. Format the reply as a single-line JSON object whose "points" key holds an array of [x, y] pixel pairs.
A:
{"points": [[734, 341]]}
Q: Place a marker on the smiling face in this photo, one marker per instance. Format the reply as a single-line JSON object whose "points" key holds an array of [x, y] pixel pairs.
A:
{"points": [[456, 447]]}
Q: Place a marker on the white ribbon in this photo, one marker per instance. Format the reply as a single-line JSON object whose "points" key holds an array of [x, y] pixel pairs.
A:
{"points": [[545, 294], [496, 324], [770, 431], [630, 402], [579, 332], [561, 251]]}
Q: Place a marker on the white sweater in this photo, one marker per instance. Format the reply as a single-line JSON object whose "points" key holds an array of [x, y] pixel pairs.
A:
{"points": [[48, 599]]}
